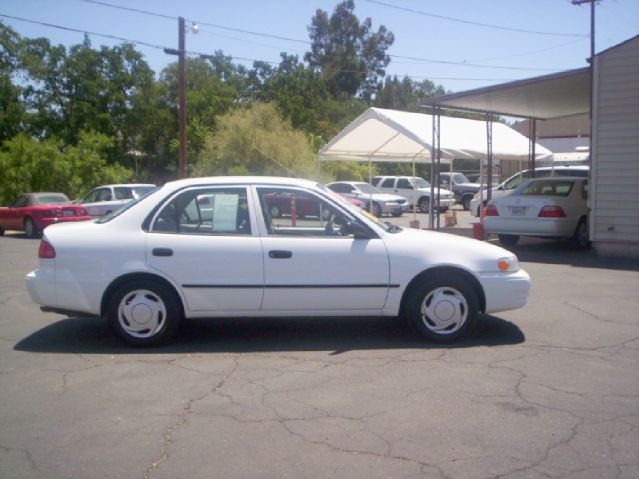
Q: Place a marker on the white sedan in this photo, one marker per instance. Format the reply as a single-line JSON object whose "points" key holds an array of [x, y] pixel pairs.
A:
{"points": [[104, 199], [545, 207], [160, 260]]}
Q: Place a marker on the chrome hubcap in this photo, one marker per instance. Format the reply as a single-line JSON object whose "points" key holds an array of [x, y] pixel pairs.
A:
{"points": [[141, 313], [444, 310]]}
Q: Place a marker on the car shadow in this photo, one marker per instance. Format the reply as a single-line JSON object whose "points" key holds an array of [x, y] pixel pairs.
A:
{"points": [[338, 335], [533, 250]]}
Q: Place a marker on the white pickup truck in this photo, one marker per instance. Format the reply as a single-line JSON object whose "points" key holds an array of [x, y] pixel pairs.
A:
{"points": [[416, 190]]}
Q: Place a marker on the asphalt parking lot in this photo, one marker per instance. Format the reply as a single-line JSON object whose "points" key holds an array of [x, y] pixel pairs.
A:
{"points": [[551, 390]]}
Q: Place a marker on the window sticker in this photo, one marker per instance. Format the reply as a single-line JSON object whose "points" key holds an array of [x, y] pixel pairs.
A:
{"points": [[225, 212]]}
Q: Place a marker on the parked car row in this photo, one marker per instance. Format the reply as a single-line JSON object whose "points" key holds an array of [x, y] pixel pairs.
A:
{"points": [[32, 212]]}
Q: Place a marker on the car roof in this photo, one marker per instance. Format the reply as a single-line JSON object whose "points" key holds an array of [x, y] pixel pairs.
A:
{"points": [[246, 180], [557, 178], [562, 167], [124, 184]]}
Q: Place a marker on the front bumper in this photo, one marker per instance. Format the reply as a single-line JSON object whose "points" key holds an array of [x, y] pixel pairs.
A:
{"points": [[394, 209], [505, 291]]}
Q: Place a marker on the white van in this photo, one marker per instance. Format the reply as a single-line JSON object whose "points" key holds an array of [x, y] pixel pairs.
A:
{"points": [[507, 187]]}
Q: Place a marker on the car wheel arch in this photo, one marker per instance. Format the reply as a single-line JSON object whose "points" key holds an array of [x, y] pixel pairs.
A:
{"points": [[442, 271], [119, 281]]}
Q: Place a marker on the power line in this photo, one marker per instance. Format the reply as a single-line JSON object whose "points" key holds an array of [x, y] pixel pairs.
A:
{"points": [[199, 22], [477, 24], [208, 55]]}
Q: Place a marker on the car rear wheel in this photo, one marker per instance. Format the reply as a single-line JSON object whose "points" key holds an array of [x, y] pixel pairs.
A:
{"points": [[442, 308], [144, 312], [1, 231], [508, 240], [424, 204], [581, 239], [30, 228]]}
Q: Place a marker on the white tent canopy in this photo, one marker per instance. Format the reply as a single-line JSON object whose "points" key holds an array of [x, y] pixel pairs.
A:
{"points": [[397, 136]]}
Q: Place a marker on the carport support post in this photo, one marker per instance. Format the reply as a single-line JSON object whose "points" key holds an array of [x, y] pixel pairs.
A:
{"points": [[434, 175], [370, 182], [532, 136], [489, 156]]}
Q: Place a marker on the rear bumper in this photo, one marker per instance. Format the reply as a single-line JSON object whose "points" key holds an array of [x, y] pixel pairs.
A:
{"points": [[42, 223], [550, 227], [505, 291], [41, 287]]}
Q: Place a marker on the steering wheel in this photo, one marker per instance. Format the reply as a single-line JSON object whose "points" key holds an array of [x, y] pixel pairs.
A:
{"points": [[328, 229]]}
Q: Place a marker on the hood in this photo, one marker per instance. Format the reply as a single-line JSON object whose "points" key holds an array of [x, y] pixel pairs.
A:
{"points": [[439, 191], [381, 197]]}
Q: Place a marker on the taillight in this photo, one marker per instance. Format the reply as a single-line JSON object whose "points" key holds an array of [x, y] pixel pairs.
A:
{"points": [[551, 211], [491, 210], [46, 250], [52, 213]]}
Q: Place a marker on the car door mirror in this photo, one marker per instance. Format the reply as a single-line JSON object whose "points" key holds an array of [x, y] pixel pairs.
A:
{"points": [[358, 231]]}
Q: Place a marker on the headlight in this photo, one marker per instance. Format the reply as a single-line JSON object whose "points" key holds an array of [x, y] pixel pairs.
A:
{"points": [[509, 264]]}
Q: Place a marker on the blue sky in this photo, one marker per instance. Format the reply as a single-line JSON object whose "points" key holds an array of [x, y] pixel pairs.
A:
{"points": [[509, 55]]}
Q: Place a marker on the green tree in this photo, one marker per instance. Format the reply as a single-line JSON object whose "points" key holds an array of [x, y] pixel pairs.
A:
{"points": [[350, 56], [28, 164], [256, 140], [405, 94]]}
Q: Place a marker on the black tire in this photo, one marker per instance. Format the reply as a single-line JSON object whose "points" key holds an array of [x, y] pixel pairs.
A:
{"points": [[148, 294], [581, 238], [397, 215], [275, 211], [508, 240], [466, 202], [424, 204], [449, 294], [30, 228], [1, 231]]}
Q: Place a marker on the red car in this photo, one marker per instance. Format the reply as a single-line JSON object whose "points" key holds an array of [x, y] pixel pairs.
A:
{"points": [[33, 212]]}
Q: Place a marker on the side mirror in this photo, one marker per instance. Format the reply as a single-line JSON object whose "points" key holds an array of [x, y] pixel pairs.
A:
{"points": [[358, 231]]}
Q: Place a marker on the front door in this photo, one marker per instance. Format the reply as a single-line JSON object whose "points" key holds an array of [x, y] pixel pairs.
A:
{"points": [[312, 264], [204, 240]]}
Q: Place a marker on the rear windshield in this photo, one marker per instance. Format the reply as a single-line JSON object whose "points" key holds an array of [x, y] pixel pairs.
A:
{"points": [[50, 200], [548, 188]]}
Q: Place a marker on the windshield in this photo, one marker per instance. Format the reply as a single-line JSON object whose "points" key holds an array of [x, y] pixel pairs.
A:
{"points": [[366, 188], [117, 212], [421, 183], [51, 200], [460, 178], [339, 199]]}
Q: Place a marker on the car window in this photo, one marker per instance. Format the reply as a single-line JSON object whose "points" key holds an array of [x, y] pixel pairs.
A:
{"points": [[217, 211], [90, 197], [376, 179], [123, 193], [290, 212], [513, 182], [341, 188], [548, 188], [103, 194], [50, 200], [388, 183], [20, 202], [459, 178], [403, 183]]}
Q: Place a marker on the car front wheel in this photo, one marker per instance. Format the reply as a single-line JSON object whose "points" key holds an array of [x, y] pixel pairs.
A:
{"points": [[442, 308], [144, 312], [424, 204], [466, 202]]}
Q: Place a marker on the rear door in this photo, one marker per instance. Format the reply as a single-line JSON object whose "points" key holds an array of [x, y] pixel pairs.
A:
{"points": [[205, 240]]}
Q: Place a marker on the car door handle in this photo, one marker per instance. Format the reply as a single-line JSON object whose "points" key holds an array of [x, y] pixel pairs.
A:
{"points": [[162, 252], [279, 254]]}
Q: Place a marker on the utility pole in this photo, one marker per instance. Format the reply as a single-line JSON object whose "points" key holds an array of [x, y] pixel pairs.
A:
{"points": [[591, 60], [181, 54]]}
